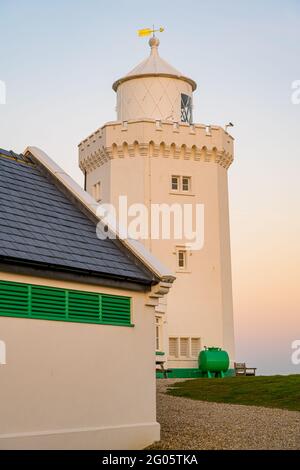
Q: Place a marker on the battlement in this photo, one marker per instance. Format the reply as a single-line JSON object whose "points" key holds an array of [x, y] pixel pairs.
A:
{"points": [[157, 139]]}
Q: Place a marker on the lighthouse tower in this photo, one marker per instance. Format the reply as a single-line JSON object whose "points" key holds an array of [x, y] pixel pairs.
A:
{"points": [[155, 154]]}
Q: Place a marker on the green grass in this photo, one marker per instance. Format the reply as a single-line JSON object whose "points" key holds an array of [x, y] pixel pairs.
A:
{"points": [[277, 391]]}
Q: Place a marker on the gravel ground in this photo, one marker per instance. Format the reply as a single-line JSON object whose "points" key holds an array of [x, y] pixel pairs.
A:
{"points": [[189, 424]]}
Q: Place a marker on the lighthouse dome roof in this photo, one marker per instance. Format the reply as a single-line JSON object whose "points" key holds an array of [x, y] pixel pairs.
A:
{"points": [[154, 65]]}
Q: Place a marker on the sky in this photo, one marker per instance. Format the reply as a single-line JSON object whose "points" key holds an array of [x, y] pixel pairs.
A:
{"points": [[59, 59]]}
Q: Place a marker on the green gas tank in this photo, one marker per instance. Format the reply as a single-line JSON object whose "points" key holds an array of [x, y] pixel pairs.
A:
{"points": [[213, 362]]}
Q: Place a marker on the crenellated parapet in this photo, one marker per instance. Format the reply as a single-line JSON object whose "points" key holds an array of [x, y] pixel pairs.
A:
{"points": [[158, 139]]}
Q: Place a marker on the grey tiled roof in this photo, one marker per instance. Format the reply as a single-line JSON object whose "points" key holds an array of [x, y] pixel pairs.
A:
{"points": [[40, 224]]}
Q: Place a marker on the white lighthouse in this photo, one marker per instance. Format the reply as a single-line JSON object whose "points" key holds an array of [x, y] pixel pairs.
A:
{"points": [[154, 153]]}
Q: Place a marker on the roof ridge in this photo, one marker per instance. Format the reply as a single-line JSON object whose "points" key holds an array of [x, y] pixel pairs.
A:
{"points": [[17, 157]]}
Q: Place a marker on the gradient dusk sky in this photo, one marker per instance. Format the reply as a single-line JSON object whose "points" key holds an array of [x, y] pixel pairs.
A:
{"points": [[59, 59]]}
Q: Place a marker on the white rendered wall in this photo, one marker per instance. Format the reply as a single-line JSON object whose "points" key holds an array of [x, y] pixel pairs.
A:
{"points": [[200, 301], [75, 385]]}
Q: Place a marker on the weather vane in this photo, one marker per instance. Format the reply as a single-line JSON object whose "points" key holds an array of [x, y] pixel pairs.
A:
{"points": [[149, 31]]}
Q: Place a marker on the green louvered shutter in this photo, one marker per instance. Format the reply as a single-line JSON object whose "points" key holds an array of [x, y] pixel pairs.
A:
{"points": [[48, 303], [84, 306], [14, 299], [115, 309]]}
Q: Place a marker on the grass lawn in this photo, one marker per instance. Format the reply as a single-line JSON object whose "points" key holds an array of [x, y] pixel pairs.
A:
{"points": [[277, 391]]}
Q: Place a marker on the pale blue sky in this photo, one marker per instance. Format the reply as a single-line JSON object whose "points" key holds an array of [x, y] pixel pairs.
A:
{"points": [[59, 60]]}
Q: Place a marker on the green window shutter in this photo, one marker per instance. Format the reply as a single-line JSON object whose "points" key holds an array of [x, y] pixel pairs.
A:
{"points": [[84, 306], [116, 309], [14, 299], [49, 303]]}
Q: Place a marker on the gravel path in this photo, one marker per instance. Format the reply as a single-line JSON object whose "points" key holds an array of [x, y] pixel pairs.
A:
{"points": [[189, 424]]}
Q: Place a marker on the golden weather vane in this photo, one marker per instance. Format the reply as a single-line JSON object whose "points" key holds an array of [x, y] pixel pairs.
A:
{"points": [[149, 31]]}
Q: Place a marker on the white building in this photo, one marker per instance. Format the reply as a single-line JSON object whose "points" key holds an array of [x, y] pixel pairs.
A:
{"points": [[154, 153], [77, 318]]}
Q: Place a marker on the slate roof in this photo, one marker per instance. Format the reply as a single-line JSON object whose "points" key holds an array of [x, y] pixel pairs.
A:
{"points": [[40, 224]]}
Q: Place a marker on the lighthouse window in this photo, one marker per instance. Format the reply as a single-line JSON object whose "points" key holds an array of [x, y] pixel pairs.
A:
{"points": [[97, 191], [184, 347], [195, 346], [181, 260], [181, 184], [186, 108], [173, 347], [186, 183], [175, 183]]}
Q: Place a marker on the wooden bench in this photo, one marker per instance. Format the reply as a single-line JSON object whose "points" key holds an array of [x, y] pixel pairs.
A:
{"points": [[242, 370], [162, 369]]}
